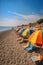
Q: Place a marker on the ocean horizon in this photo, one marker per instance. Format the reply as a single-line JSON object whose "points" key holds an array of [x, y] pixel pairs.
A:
{"points": [[4, 28]]}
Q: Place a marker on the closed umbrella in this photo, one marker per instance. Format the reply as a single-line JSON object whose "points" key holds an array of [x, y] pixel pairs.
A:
{"points": [[35, 39], [21, 30], [27, 32]]}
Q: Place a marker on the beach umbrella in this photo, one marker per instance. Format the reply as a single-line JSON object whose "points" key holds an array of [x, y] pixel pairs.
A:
{"points": [[27, 32], [36, 38], [21, 30]]}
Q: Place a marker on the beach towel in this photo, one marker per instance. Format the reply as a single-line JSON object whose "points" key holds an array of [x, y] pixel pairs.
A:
{"points": [[36, 58]]}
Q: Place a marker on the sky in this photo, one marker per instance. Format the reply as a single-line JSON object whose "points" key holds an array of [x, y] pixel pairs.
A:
{"points": [[17, 12]]}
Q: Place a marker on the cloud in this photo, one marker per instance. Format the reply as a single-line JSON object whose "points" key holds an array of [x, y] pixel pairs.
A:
{"points": [[21, 19], [18, 14], [27, 17]]}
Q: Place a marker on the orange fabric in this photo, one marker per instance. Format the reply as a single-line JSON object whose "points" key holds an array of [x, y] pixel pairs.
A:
{"points": [[30, 37], [39, 39]]}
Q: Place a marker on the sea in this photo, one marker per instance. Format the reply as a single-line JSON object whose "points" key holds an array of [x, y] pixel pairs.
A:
{"points": [[4, 28]]}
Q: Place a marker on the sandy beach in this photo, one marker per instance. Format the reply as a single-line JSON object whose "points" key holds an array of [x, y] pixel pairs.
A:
{"points": [[11, 52]]}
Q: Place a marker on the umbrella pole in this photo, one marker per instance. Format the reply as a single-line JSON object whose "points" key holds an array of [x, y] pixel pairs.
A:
{"points": [[40, 48]]}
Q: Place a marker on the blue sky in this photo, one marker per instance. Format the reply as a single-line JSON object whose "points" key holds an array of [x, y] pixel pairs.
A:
{"points": [[14, 12]]}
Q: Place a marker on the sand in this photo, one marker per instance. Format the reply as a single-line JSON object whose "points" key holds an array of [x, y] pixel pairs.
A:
{"points": [[12, 52]]}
